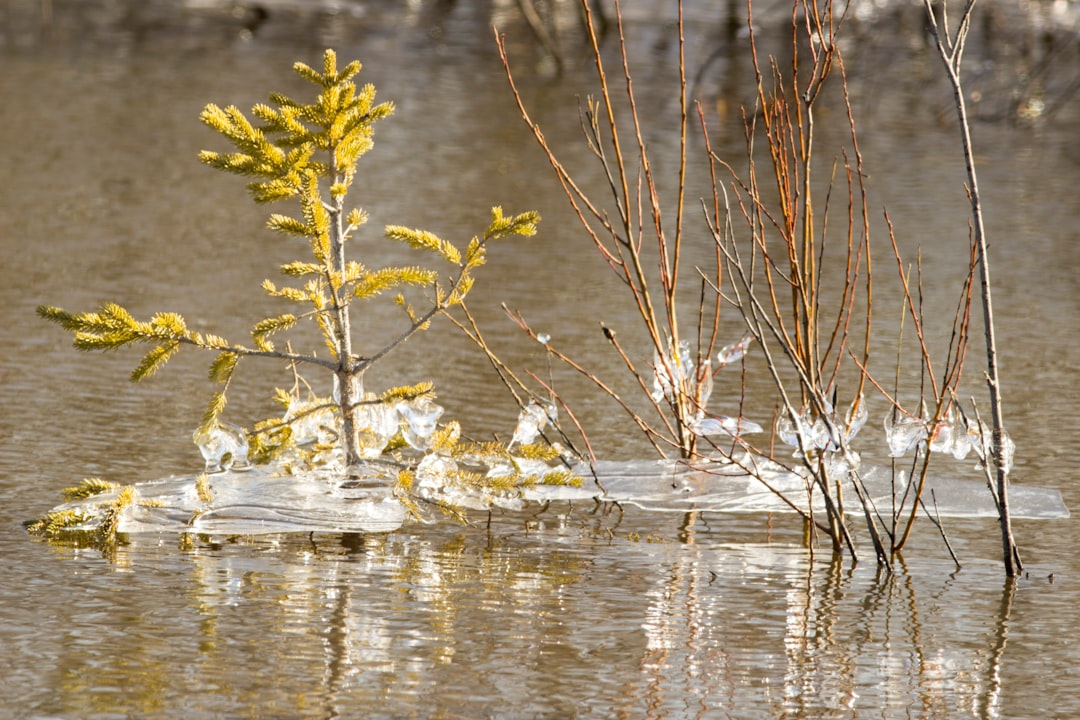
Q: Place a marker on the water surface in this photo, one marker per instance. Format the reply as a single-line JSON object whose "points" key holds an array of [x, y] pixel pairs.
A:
{"points": [[574, 611]]}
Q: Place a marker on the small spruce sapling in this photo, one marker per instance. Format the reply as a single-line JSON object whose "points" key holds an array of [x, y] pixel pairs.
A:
{"points": [[309, 153]]}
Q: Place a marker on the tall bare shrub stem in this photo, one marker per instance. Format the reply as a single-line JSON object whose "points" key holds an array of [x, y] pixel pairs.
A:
{"points": [[951, 50]]}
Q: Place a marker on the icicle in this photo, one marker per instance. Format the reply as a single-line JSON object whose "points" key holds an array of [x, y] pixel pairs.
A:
{"points": [[856, 418], [531, 421], [376, 424], [672, 375], [735, 352], [903, 433], [224, 447], [309, 425], [721, 424], [421, 417]]}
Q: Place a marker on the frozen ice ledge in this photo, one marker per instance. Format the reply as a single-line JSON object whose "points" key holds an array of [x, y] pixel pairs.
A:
{"points": [[262, 501]]}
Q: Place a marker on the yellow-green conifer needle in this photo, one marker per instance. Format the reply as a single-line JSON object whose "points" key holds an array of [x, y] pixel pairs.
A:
{"points": [[222, 368], [202, 488], [283, 101], [474, 253], [300, 269], [306, 72], [168, 326], [374, 283], [213, 412], [269, 439], [537, 451], [350, 71], [462, 289], [271, 325], [214, 341], [110, 521], [446, 437], [283, 397], [294, 294], [561, 477], [154, 360], [501, 226], [273, 190], [409, 392], [88, 488], [424, 240], [354, 271], [55, 524], [54, 314], [330, 66], [289, 225], [356, 217]]}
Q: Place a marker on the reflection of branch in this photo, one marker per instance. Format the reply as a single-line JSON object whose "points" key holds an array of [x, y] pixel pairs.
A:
{"points": [[536, 24], [935, 518], [991, 699], [338, 642]]}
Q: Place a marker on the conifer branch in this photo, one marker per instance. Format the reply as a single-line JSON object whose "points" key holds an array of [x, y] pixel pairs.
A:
{"points": [[113, 327]]}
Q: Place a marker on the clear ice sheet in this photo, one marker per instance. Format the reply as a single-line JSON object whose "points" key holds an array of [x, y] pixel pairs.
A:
{"points": [[261, 501], [255, 502], [666, 486]]}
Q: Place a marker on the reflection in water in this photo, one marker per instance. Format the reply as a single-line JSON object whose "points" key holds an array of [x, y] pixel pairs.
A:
{"points": [[566, 616], [989, 704], [383, 615], [852, 646]]}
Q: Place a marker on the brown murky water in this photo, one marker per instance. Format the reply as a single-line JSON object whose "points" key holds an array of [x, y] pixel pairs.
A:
{"points": [[571, 612]]}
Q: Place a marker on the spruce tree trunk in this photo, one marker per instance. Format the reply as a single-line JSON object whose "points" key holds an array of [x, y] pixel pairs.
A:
{"points": [[350, 390]]}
